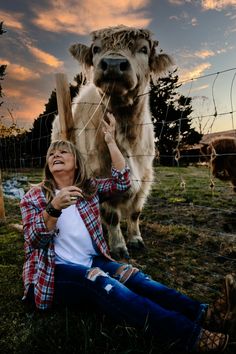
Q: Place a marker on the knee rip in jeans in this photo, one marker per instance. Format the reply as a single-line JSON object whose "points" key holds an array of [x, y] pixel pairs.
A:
{"points": [[93, 273], [124, 272]]}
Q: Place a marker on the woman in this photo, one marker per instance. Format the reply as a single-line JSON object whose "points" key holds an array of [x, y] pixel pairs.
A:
{"points": [[67, 258]]}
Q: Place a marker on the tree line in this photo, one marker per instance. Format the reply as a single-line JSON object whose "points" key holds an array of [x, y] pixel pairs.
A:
{"points": [[170, 114]]}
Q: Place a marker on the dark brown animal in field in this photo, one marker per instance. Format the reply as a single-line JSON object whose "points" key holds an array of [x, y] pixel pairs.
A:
{"points": [[119, 63], [221, 155]]}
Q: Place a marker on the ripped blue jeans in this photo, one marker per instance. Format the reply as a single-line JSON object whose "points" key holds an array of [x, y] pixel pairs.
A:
{"points": [[139, 301]]}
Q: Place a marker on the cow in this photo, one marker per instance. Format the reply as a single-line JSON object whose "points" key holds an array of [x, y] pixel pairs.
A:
{"points": [[118, 66], [221, 155]]}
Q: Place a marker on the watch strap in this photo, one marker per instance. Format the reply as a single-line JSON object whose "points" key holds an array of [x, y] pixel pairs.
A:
{"points": [[53, 211]]}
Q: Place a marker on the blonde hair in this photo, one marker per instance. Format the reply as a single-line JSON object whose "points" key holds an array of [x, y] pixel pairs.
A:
{"points": [[82, 181]]}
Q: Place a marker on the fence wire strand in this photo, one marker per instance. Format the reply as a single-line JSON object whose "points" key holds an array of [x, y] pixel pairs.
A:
{"points": [[184, 186]]}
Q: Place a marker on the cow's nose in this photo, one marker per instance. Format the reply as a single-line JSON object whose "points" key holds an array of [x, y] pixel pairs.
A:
{"points": [[116, 66]]}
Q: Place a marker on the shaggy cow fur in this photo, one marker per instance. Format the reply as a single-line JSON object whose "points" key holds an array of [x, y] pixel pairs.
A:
{"points": [[119, 63], [221, 154]]}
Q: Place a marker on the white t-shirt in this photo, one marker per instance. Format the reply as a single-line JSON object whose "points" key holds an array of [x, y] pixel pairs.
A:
{"points": [[73, 242]]}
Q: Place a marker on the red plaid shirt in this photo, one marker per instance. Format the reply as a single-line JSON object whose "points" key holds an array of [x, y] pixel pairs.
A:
{"points": [[39, 262]]}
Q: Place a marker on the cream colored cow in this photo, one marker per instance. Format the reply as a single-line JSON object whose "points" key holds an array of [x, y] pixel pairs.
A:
{"points": [[118, 66]]}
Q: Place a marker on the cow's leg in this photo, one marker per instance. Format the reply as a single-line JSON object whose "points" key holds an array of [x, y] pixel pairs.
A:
{"points": [[233, 181], [232, 172], [134, 238], [117, 244]]}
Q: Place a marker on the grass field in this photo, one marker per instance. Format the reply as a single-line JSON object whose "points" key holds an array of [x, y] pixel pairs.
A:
{"points": [[189, 229]]}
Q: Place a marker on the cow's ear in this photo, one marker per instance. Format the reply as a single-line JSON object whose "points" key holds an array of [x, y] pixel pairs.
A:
{"points": [[82, 53], [160, 63]]}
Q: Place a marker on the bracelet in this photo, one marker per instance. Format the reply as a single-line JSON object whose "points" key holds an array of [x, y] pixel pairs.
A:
{"points": [[52, 211]]}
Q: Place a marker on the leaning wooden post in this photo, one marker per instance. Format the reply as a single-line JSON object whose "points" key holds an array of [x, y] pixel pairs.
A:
{"points": [[2, 209], [64, 108]]}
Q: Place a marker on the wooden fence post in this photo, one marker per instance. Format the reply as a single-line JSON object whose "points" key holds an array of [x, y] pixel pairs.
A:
{"points": [[64, 108], [2, 209]]}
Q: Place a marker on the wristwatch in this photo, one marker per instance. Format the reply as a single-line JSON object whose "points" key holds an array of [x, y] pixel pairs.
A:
{"points": [[52, 211]]}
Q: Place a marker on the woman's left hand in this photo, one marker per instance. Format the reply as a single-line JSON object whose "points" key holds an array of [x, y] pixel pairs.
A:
{"points": [[66, 196], [109, 129]]}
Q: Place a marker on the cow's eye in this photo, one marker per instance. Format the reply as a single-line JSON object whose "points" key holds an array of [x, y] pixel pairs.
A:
{"points": [[96, 49], [143, 50]]}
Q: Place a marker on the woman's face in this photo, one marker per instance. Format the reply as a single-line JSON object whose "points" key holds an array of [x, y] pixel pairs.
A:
{"points": [[61, 160]]}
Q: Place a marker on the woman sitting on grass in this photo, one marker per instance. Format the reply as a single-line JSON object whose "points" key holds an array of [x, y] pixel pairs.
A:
{"points": [[67, 259]]}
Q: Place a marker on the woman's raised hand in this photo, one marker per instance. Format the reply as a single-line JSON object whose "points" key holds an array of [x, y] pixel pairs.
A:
{"points": [[109, 128]]}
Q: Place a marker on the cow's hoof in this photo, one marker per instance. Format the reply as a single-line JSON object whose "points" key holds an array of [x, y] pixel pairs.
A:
{"points": [[136, 244], [120, 253]]}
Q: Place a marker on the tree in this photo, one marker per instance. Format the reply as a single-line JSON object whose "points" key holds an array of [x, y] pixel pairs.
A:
{"points": [[2, 66], [171, 118]]}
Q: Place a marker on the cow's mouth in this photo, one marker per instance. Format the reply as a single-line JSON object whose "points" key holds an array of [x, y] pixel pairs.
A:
{"points": [[114, 86]]}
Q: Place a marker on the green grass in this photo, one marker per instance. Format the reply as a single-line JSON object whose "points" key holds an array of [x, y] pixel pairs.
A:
{"points": [[189, 233]]}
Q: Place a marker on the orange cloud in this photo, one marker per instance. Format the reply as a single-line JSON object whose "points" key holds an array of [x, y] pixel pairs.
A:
{"points": [[44, 57], [204, 53], [192, 73], [12, 20], [177, 2], [4, 61], [223, 50], [12, 92], [25, 111], [23, 108], [86, 15], [19, 72], [216, 4]]}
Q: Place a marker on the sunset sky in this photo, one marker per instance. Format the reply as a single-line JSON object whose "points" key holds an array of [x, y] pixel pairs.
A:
{"points": [[200, 35]]}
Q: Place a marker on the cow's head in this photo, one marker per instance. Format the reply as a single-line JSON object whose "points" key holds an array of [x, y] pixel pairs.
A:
{"points": [[122, 60]]}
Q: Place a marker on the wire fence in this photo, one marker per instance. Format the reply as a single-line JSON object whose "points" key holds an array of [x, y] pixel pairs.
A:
{"points": [[215, 200]]}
